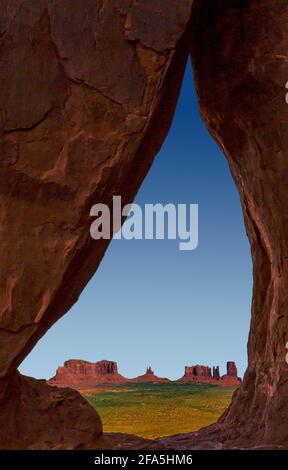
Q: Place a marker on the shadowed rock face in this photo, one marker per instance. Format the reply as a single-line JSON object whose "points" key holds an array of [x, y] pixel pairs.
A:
{"points": [[36, 416], [78, 119], [232, 369], [83, 111], [239, 52], [216, 373]]}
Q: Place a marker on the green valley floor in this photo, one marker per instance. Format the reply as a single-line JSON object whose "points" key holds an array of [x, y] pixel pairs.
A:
{"points": [[154, 410]]}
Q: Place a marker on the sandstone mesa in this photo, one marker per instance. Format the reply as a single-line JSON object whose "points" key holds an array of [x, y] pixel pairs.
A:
{"points": [[81, 375]]}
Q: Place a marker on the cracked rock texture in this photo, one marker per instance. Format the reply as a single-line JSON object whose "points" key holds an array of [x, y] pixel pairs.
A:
{"points": [[87, 94], [239, 52]]}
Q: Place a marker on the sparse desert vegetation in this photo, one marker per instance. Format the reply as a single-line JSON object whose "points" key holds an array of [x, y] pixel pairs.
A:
{"points": [[153, 410]]}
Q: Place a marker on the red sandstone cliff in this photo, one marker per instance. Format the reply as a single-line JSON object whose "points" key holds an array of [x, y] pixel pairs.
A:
{"points": [[197, 373], [202, 374], [83, 374], [231, 378]]}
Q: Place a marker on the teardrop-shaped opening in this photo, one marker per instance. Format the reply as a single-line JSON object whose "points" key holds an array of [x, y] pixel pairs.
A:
{"points": [[150, 304]]}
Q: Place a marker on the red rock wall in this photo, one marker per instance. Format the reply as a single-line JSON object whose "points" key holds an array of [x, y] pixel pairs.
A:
{"points": [[84, 110], [232, 369], [203, 374], [198, 371], [79, 367], [83, 374], [34, 415], [87, 95], [239, 52]]}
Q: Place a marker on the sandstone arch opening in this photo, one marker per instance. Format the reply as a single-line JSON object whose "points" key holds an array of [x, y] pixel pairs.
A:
{"points": [[156, 305], [66, 85]]}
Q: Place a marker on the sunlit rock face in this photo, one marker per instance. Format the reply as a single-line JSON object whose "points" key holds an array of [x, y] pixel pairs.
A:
{"points": [[84, 375], [204, 374], [149, 376]]}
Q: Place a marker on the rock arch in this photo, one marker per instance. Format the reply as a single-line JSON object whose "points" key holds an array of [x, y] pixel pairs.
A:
{"points": [[84, 110]]}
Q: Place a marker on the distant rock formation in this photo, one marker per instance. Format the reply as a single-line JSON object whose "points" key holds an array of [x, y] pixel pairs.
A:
{"points": [[87, 375], [232, 369], [149, 376], [197, 373], [216, 373], [231, 378], [83, 374], [202, 374]]}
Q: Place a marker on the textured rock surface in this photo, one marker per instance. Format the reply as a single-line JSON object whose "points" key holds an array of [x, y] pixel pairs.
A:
{"points": [[197, 373], [231, 377], [239, 52], [202, 371], [83, 110], [77, 121], [36, 416], [80, 121], [149, 376], [82, 374], [203, 374]]}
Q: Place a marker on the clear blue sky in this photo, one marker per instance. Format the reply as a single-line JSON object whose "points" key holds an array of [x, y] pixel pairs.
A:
{"points": [[151, 304]]}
